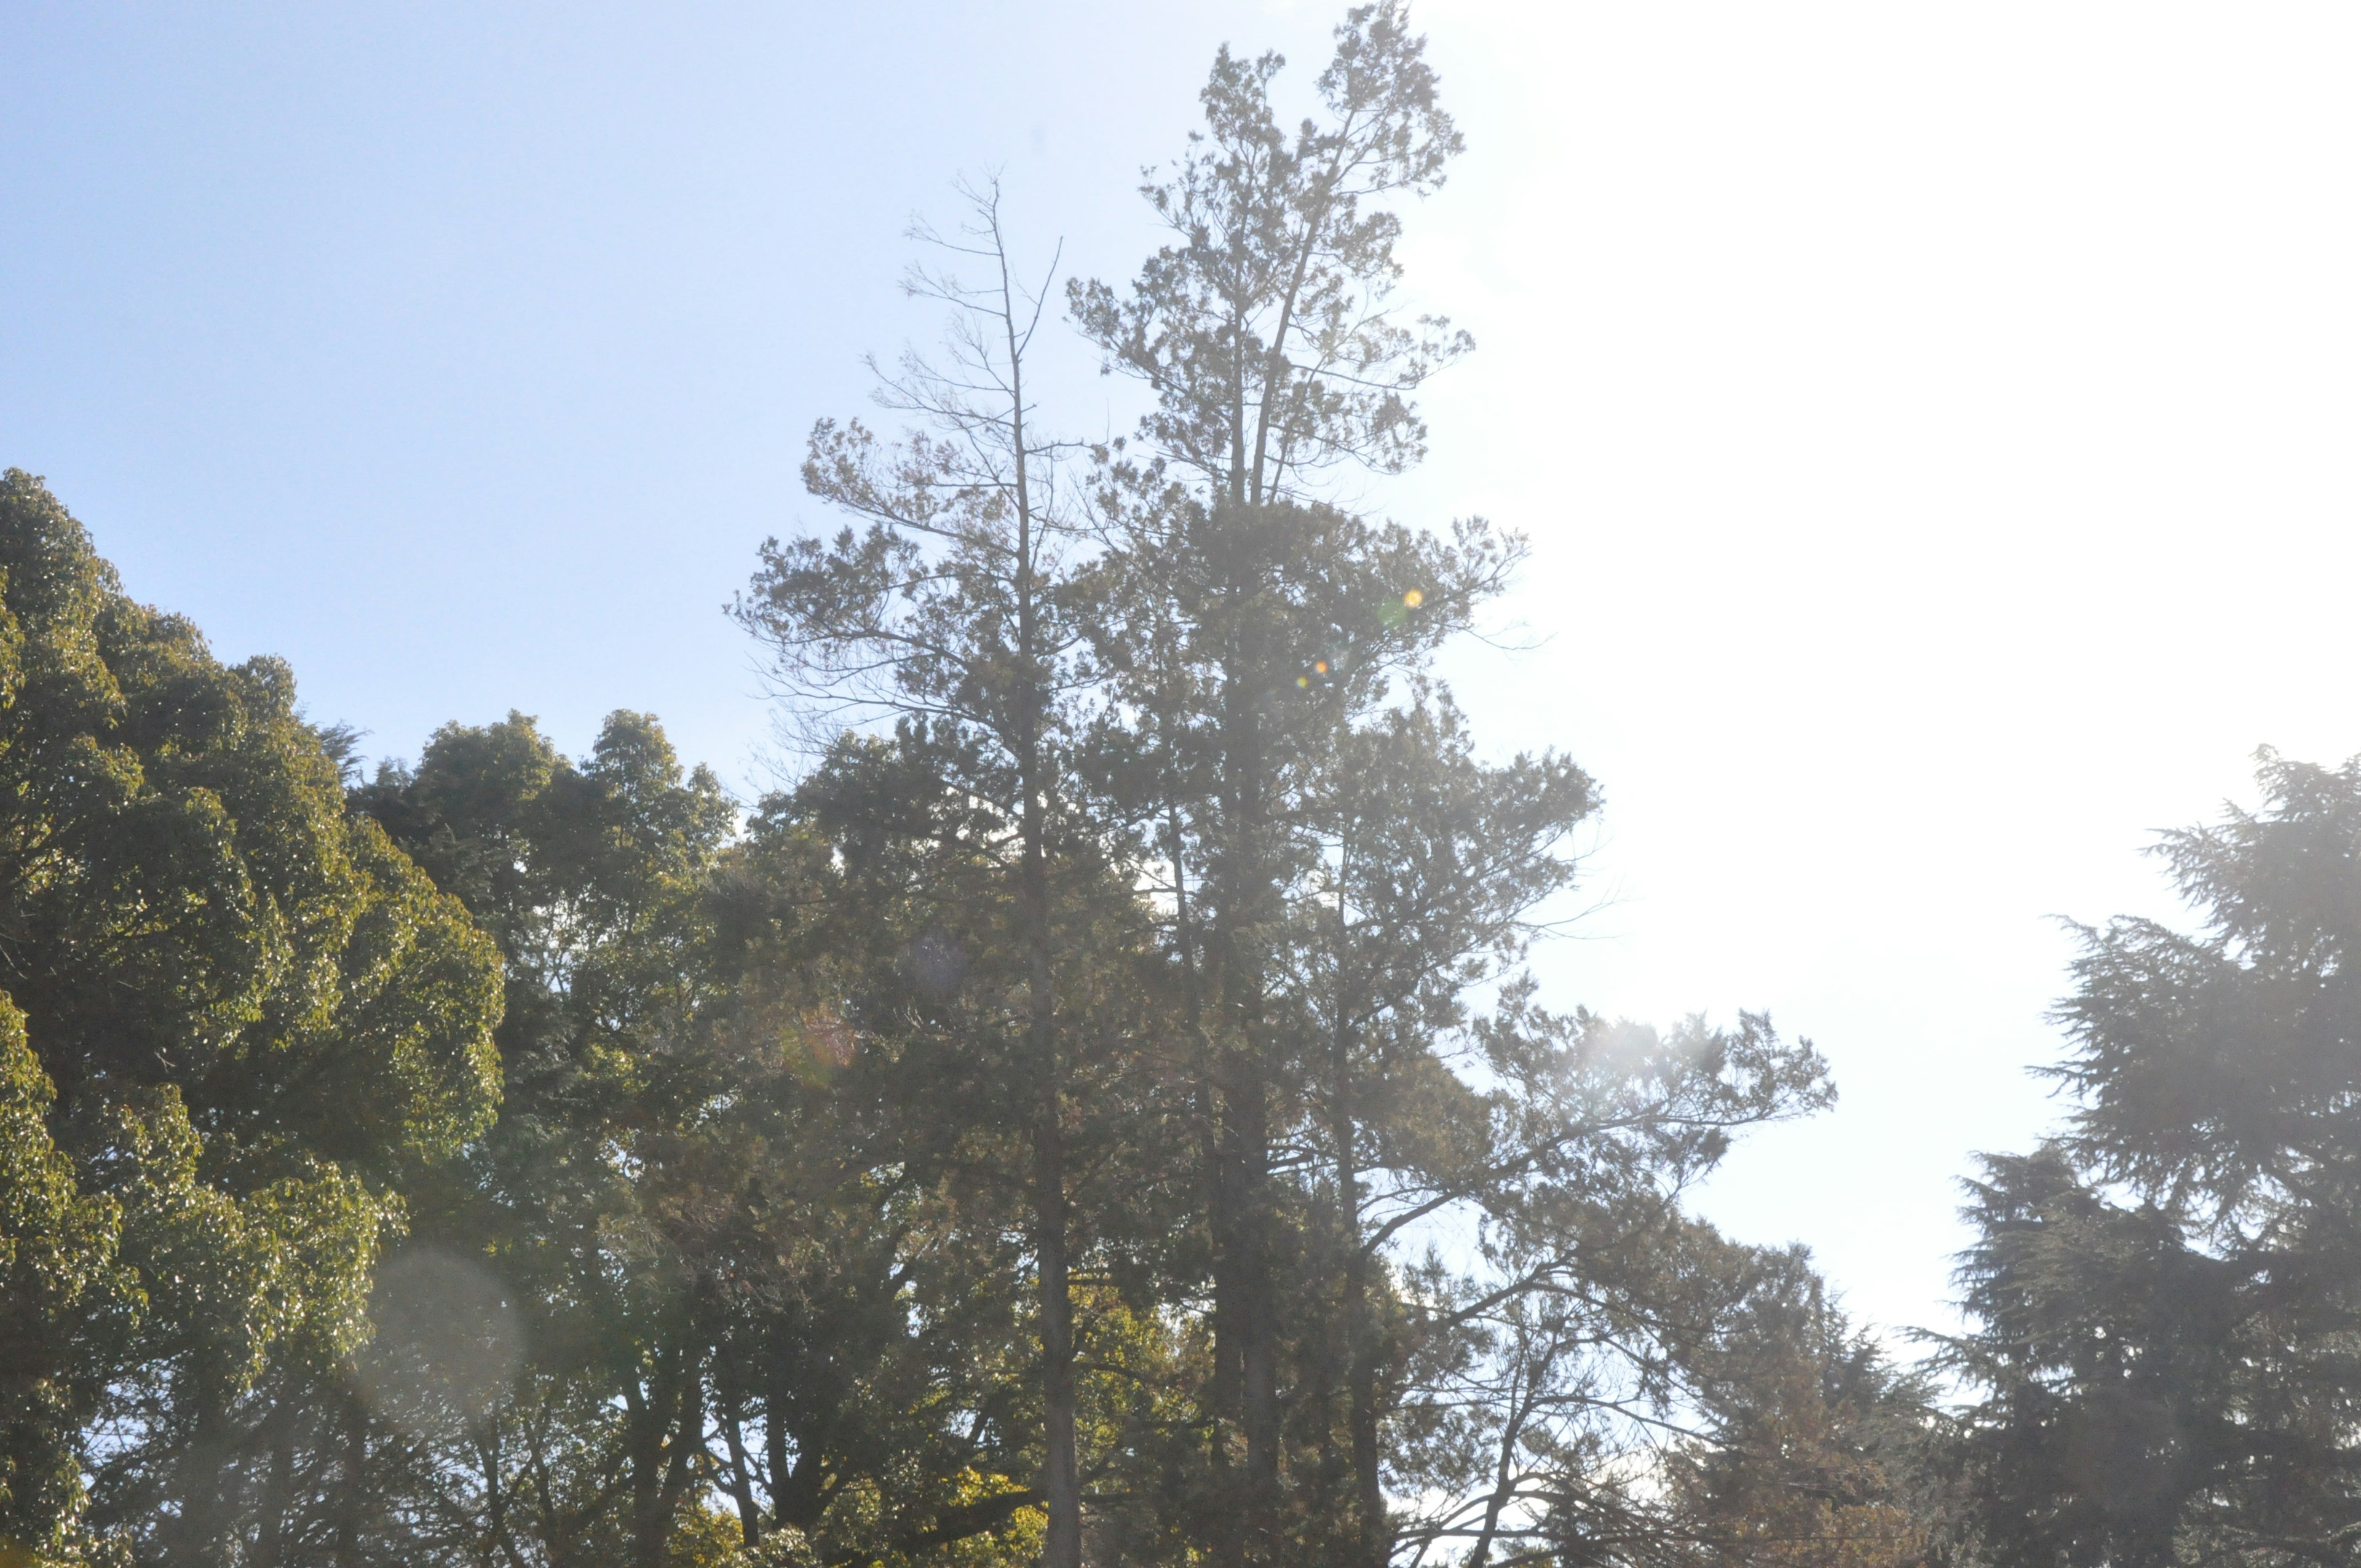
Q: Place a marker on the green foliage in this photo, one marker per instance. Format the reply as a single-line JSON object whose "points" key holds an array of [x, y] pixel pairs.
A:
{"points": [[2167, 1296], [261, 1025], [1343, 875], [1100, 1112], [1815, 1449], [746, 1176], [1169, 724], [58, 1270], [1268, 329]]}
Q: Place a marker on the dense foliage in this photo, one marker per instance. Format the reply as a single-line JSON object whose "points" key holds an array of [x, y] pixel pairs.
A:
{"points": [[515, 1158], [2169, 1295], [241, 1030], [1100, 1112]]}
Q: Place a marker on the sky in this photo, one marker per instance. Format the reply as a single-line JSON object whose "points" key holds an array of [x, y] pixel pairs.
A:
{"points": [[1935, 426]]}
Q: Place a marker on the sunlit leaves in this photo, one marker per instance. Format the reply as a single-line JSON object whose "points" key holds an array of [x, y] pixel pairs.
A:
{"points": [[259, 1021]]}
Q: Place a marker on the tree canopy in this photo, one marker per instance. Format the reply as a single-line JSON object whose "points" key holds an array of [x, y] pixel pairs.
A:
{"points": [[2167, 1294], [1100, 1108], [241, 1028]]}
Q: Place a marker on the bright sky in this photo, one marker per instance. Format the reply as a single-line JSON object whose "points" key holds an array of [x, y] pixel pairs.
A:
{"points": [[1936, 425]]}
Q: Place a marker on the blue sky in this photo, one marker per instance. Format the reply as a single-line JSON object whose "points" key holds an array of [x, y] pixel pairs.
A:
{"points": [[462, 354], [1936, 425]]}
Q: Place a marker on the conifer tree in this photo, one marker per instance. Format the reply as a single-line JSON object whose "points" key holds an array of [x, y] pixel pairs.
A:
{"points": [[1013, 1141], [1813, 1447], [2167, 1294], [947, 605], [1247, 619], [1337, 871]]}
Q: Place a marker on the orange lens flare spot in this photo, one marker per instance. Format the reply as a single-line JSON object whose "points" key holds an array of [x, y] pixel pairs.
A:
{"points": [[1413, 598], [1319, 667]]}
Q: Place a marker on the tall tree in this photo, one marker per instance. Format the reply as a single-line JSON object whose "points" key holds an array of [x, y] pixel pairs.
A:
{"points": [[1431, 866], [263, 1028], [737, 1187], [947, 605], [1266, 331], [58, 1251], [2167, 1295], [1810, 1446], [1338, 872], [1243, 645], [592, 878], [1014, 1140]]}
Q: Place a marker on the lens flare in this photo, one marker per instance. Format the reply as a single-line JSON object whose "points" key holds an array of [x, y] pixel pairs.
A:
{"points": [[1320, 666], [937, 963], [449, 1340], [1414, 598]]}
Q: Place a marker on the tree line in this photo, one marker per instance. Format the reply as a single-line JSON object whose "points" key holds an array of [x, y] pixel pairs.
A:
{"points": [[1100, 1111]]}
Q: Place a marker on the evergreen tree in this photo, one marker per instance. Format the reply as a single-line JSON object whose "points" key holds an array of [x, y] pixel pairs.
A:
{"points": [[2168, 1294], [1814, 1448], [1017, 1141], [1249, 623], [1337, 871], [948, 607], [590, 879], [250, 1028], [57, 1261]]}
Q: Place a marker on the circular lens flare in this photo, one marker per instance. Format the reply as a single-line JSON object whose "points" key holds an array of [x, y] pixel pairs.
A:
{"points": [[1414, 598]]}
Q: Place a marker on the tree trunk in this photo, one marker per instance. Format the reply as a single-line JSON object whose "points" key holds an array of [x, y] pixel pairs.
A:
{"points": [[741, 1478], [204, 1481], [347, 1551], [270, 1539], [658, 1440], [687, 1440], [1360, 1363], [1360, 1354], [1246, 1306], [1061, 1482]]}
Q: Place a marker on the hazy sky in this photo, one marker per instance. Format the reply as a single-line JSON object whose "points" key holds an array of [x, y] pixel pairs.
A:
{"points": [[1936, 425]]}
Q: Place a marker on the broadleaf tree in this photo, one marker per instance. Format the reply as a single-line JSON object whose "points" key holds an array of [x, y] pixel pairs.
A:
{"points": [[1101, 1110], [253, 1029]]}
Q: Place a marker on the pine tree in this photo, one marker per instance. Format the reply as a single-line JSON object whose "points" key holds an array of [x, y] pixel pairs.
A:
{"points": [[1337, 871], [951, 609]]}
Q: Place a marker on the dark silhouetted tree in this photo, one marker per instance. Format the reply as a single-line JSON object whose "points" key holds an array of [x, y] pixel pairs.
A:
{"points": [[2167, 1296]]}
